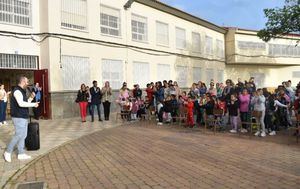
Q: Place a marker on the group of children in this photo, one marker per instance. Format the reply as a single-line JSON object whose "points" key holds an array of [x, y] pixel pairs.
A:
{"points": [[234, 104]]}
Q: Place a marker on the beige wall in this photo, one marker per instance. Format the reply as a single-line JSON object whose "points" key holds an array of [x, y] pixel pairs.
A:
{"points": [[96, 53]]}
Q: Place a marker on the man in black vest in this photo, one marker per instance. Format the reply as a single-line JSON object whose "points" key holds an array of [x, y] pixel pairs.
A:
{"points": [[20, 114], [96, 96]]}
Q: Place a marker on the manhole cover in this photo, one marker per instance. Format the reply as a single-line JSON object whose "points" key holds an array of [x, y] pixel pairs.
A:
{"points": [[31, 185]]}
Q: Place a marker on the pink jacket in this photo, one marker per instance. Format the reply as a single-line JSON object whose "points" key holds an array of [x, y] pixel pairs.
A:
{"points": [[244, 102]]}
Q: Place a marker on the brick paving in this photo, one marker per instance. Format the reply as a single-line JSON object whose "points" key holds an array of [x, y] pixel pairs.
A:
{"points": [[147, 156], [53, 133]]}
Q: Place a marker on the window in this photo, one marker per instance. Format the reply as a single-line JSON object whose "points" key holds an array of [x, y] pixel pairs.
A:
{"points": [[259, 79], [139, 28], [15, 12], [110, 21], [220, 76], [180, 38], [251, 45], [75, 71], [74, 14], [197, 73], [163, 72], [209, 76], [296, 74], [162, 33], [284, 50], [112, 71], [208, 45], [220, 48], [181, 72], [16, 61], [141, 73], [196, 42]]}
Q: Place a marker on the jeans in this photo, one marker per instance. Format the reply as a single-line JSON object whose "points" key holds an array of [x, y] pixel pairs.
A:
{"points": [[2, 110], [21, 126], [262, 121], [92, 107], [106, 107], [233, 121]]}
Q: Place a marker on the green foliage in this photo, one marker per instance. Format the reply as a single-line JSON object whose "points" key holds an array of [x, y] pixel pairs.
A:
{"points": [[281, 21]]}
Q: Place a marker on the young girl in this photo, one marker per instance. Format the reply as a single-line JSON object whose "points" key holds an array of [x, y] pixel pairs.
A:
{"points": [[190, 116], [233, 108], [134, 109]]}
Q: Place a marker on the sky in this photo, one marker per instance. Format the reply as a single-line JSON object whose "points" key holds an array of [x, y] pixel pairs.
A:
{"points": [[246, 14]]}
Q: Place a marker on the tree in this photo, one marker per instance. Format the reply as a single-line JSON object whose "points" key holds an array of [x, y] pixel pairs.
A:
{"points": [[281, 21]]}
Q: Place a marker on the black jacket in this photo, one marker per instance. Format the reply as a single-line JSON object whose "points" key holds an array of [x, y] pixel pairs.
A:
{"points": [[82, 96], [96, 95]]}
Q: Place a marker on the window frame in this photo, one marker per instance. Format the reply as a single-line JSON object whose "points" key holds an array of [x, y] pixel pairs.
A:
{"points": [[119, 23], [185, 41], [168, 34], [146, 28]]}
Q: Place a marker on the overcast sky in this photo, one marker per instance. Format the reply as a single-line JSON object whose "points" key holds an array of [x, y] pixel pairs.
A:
{"points": [[247, 14]]}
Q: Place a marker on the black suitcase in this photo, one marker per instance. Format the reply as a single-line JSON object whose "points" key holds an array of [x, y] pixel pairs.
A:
{"points": [[32, 141]]}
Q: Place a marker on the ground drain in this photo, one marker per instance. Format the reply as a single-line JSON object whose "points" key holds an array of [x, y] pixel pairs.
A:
{"points": [[31, 185]]}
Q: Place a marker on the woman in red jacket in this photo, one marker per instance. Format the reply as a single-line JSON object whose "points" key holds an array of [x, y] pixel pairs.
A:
{"points": [[190, 116]]}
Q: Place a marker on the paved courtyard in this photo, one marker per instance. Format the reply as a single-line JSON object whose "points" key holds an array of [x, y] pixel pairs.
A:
{"points": [[53, 133], [147, 156]]}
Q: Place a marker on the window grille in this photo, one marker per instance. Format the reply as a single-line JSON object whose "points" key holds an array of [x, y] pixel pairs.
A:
{"points": [[74, 14], [139, 28], [162, 33], [197, 74], [182, 75], [141, 73], [209, 76], [15, 61], [251, 45], [180, 38], [75, 71], [110, 21], [220, 48], [15, 12], [208, 45], [163, 72], [112, 71], [284, 50], [220, 76], [296, 74], [196, 42]]}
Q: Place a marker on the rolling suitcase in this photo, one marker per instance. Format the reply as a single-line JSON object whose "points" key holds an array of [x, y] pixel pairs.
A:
{"points": [[32, 141]]}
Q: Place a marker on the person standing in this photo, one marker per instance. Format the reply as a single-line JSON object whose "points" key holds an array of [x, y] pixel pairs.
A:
{"points": [[96, 96], [20, 114], [38, 97], [3, 104], [106, 99], [244, 99], [82, 99], [259, 101]]}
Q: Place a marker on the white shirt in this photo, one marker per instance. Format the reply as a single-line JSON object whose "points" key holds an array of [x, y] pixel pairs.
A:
{"points": [[19, 97]]}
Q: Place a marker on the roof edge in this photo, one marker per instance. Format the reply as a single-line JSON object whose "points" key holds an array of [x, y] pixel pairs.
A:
{"points": [[181, 14]]}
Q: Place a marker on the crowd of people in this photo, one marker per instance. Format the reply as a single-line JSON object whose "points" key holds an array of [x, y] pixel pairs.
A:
{"points": [[237, 102]]}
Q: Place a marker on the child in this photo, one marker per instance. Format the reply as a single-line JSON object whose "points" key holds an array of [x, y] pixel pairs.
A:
{"points": [[190, 109], [159, 109], [142, 108], [233, 108], [134, 109]]}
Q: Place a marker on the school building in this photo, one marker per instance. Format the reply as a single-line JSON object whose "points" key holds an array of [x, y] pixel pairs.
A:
{"points": [[63, 43]]}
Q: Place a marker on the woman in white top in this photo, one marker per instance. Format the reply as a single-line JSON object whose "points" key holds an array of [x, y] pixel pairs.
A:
{"points": [[3, 104]]}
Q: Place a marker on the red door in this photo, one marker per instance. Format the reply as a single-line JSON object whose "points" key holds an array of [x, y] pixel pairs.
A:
{"points": [[41, 77]]}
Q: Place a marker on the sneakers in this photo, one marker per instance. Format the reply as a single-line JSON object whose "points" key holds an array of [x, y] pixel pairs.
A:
{"points": [[159, 123], [272, 133], [257, 133], [263, 134], [233, 131], [7, 156], [23, 157], [244, 130], [1, 124], [4, 123]]}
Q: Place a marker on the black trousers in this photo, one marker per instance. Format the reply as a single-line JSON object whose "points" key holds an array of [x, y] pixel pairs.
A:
{"points": [[106, 107], [92, 108]]}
